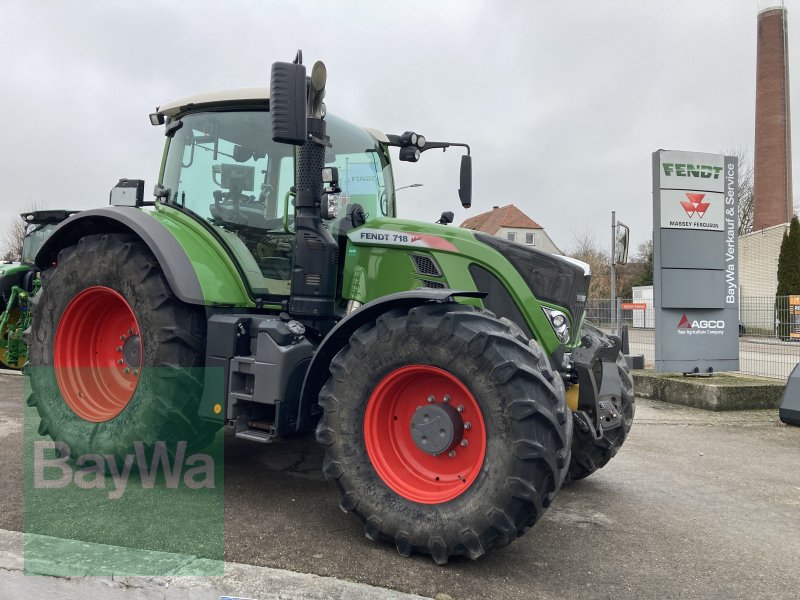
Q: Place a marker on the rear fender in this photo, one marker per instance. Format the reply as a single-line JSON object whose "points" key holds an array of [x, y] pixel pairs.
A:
{"points": [[171, 256], [339, 337]]}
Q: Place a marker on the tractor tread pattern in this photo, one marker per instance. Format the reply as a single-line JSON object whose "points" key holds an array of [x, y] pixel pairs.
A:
{"points": [[529, 453]]}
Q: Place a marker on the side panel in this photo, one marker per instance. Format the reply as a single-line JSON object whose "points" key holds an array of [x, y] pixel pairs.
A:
{"points": [[380, 261]]}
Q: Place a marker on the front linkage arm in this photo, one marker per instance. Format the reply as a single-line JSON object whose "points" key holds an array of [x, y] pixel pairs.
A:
{"points": [[604, 404]]}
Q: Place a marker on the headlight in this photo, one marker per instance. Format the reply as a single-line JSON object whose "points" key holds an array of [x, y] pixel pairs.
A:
{"points": [[330, 206], [559, 323]]}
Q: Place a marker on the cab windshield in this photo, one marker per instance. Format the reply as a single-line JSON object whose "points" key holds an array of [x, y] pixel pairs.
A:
{"points": [[225, 168]]}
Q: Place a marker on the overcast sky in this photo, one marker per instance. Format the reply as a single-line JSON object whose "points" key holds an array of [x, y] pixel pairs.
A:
{"points": [[562, 102]]}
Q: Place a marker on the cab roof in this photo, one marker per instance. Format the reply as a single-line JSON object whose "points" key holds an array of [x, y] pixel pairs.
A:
{"points": [[252, 95]]}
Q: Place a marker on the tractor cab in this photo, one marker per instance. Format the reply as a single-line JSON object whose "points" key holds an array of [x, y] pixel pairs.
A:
{"points": [[222, 166]]}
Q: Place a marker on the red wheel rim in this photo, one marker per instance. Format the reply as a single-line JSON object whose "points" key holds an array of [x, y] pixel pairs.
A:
{"points": [[97, 354], [408, 470]]}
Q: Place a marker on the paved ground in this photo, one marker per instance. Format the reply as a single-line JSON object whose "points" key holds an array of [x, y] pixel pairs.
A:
{"points": [[697, 504]]}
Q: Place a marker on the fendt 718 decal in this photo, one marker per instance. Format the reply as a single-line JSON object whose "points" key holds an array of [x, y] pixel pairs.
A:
{"points": [[388, 237]]}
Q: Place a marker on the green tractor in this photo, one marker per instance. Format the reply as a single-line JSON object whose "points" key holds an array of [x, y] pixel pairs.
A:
{"points": [[443, 370], [18, 282]]}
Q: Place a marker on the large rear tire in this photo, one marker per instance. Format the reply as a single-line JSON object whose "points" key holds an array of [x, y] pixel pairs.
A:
{"points": [[114, 355], [590, 454], [505, 420]]}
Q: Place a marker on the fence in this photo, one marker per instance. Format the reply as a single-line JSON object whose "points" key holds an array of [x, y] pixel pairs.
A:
{"points": [[768, 329]]}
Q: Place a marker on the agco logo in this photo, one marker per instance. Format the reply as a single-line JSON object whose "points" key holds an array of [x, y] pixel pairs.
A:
{"points": [[701, 326], [695, 205]]}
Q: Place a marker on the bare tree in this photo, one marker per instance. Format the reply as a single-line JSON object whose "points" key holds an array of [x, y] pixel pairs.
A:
{"points": [[585, 247], [14, 235], [746, 187]]}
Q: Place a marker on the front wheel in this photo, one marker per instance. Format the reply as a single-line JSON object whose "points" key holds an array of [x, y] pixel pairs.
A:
{"points": [[444, 432]]}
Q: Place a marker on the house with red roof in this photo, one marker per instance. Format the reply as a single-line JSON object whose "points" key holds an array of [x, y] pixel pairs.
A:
{"points": [[511, 223]]}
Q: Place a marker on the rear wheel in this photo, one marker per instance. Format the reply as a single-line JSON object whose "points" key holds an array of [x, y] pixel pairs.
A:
{"points": [[114, 354], [444, 432]]}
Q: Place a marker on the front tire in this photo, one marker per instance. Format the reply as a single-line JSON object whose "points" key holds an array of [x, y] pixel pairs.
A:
{"points": [[114, 356], [460, 366]]}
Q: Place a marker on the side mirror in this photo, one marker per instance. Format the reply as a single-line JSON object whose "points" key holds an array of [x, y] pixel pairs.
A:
{"points": [[446, 218], [287, 103], [465, 185], [128, 192], [623, 236]]}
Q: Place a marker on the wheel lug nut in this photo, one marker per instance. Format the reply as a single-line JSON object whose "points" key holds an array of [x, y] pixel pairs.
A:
{"points": [[451, 454], [130, 331], [446, 398], [122, 338], [460, 408], [136, 372], [120, 361], [431, 399], [464, 443], [126, 370], [467, 425], [119, 348]]}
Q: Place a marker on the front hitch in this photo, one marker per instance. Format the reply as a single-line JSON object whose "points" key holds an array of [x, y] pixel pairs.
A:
{"points": [[597, 356]]}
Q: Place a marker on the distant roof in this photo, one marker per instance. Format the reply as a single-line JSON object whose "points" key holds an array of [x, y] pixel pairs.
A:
{"points": [[501, 216]]}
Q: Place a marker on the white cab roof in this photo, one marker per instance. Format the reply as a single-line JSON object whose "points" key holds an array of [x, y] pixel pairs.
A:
{"points": [[170, 109]]}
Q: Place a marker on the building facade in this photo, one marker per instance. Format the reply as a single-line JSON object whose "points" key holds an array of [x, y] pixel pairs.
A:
{"points": [[509, 222]]}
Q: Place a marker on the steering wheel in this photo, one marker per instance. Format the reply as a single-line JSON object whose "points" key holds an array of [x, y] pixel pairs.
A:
{"points": [[239, 210]]}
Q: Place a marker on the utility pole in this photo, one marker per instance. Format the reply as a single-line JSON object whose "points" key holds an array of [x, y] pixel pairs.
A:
{"points": [[613, 271]]}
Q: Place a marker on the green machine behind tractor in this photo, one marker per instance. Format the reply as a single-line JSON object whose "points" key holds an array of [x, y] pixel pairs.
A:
{"points": [[18, 282], [448, 374]]}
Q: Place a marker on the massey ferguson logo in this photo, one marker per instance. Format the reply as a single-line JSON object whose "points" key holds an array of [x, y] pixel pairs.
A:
{"points": [[695, 205], [700, 327]]}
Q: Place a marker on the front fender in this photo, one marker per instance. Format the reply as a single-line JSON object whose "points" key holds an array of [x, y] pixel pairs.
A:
{"points": [[339, 336]]}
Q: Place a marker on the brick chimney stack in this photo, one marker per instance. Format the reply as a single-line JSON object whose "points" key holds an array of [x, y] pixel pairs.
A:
{"points": [[773, 149]]}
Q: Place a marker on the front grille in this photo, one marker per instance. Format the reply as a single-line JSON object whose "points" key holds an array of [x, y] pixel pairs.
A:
{"points": [[425, 265]]}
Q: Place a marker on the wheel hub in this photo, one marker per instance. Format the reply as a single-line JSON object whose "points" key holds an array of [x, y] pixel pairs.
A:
{"points": [[132, 351], [436, 428], [424, 434]]}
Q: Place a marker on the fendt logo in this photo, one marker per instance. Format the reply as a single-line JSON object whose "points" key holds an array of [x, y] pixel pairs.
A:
{"points": [[690, 170], [695, 205], [700, 327]]}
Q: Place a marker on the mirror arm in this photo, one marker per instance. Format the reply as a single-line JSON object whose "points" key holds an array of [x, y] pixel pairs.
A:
{"points": [[444, 146]]}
